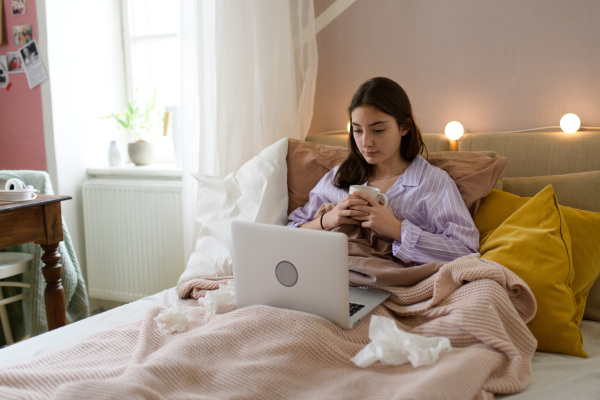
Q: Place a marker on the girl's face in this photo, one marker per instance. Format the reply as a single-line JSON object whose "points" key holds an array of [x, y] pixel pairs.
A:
{"points": [[377, 135]]}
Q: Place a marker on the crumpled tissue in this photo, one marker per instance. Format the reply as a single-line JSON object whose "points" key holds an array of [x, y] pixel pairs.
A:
{"points": [[221, 300], [392, 346], [173, 319]]}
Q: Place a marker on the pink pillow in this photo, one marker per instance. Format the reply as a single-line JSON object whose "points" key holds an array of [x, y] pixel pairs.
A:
{"points": [[306, 164], [475, 174]]}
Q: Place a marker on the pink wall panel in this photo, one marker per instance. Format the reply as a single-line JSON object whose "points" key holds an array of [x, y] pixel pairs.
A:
{"points": [[21, 121], [494, 66]]}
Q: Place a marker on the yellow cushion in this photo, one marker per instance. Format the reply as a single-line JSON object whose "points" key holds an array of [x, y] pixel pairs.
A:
{"points": [[534, 242], [584, 228]]}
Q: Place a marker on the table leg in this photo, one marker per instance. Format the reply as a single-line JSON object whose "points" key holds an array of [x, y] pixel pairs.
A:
{"points": [[54, 295]]}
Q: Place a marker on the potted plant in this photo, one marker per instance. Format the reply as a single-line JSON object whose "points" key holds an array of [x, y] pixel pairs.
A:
{"points": [[140, 125]]}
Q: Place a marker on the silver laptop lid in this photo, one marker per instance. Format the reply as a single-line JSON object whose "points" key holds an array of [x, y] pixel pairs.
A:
{"points": [[299, 269]]}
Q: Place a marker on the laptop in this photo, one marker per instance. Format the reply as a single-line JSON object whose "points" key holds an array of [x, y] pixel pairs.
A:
{"points": [[298, 269]]}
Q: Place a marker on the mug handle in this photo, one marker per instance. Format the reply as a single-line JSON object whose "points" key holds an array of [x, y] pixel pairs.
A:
{"points": [[384, 197]]}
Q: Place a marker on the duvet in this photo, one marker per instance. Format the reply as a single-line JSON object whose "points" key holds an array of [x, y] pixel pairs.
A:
{"points": [[263, 352]]}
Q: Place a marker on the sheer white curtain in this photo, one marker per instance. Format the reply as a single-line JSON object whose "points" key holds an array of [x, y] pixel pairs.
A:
{"points": [[249, 70]]}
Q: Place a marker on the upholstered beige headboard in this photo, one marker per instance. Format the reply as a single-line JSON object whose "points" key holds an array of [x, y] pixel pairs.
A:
{"points": [[569, 162], [433, 141], [535, 159], [539, 153]]}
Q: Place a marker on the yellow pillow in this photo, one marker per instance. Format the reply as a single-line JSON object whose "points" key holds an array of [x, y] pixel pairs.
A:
{"points": [[534, 243], [584, 228]]}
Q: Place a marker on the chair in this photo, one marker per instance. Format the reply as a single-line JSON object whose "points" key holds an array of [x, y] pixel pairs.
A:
{"points": [[12, 264], [33, 320]]}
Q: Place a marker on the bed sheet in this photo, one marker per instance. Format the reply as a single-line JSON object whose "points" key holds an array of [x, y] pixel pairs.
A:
{"points": [[55, 339], [558, 376], [555, 376]]}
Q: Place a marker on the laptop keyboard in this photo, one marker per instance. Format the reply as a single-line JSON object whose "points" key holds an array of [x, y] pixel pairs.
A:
{"points": [[355, 307]]}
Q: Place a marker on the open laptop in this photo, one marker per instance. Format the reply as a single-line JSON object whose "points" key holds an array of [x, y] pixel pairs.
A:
{"points": [[299, 269]]}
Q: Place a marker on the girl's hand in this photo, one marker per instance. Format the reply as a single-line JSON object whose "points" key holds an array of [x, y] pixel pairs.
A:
{"points": [[345, 212], [378, 217]]}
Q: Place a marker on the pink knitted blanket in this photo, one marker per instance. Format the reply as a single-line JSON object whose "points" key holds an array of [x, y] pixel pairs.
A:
{"points": [[263, 352]]}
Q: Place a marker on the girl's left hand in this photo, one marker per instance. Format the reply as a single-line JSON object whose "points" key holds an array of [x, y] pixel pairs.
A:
{"points": [[378, 217]]}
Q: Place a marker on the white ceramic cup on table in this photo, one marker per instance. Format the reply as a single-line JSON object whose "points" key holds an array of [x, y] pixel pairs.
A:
{"points": [[374, 192], [16, 190]]}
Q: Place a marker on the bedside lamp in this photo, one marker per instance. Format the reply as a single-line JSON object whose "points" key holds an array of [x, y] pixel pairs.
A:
{"points": [[570, 123], [454, 131]]}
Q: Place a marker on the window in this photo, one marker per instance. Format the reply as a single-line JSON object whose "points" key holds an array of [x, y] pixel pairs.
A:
{"points": [[152, 52]]}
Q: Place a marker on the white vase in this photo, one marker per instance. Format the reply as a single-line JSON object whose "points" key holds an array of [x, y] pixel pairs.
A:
{"points": [[114, 154]]}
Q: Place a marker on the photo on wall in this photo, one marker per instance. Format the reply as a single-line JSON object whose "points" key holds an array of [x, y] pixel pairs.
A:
{"points": [[4, 79], [15, 63], [19, 7], [35, 70], [22, 34], [29, 54]]}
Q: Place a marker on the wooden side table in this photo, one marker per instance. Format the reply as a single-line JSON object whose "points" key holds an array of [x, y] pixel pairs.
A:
{"points": [[39, 221]]}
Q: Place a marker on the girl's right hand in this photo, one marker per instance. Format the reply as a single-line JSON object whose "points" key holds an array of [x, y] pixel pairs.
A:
{"points": [[344, 213]]}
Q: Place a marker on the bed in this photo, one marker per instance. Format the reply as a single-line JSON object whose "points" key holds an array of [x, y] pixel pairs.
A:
{"points": [[522, 316]]}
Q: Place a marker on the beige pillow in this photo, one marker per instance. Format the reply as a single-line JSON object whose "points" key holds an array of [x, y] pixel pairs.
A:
{"points": [[592, 307], [579, 190], [475, 174]]}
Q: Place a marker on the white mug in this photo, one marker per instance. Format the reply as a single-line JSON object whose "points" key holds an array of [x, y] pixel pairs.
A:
{"points": [[371, 191]]}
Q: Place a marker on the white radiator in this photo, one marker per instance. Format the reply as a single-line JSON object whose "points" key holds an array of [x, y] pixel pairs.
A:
{"points": [[133, 237]]}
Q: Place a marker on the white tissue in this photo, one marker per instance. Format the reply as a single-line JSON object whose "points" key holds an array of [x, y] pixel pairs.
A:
{"points": [[390, 345], [172, 319], [221, 300]]}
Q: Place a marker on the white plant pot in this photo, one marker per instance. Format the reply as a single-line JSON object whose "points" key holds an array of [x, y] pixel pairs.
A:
{"points": [[141, 153]]}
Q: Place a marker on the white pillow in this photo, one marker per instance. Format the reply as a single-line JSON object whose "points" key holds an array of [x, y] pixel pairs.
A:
{"points": [[257, 192]]}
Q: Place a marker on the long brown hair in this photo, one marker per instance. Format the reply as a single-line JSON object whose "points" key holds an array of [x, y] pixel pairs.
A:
{"points": [[388, 97]]}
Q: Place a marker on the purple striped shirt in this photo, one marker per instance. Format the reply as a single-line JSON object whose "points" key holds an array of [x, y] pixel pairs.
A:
{"points": [[436, 224]]}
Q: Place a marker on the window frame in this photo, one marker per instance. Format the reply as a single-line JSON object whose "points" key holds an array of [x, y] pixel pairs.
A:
{"points": [[128, 42]]}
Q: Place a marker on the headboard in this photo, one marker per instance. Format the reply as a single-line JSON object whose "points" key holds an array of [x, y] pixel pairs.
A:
{"points": [[433, 141], [569, 162], [535, 159], [539, 153]]}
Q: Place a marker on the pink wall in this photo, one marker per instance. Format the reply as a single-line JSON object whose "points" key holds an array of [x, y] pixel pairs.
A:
{"points": [[21, 125], [493, 65]]}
